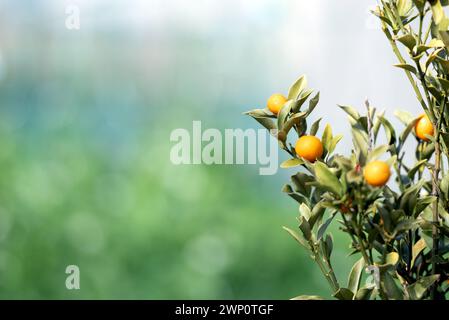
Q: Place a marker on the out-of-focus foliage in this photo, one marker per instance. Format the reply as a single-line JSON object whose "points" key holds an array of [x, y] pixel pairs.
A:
{"points": [[137, 227]]}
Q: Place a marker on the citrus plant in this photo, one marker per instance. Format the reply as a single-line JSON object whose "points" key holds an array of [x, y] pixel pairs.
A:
{"points": [[395, 211]]}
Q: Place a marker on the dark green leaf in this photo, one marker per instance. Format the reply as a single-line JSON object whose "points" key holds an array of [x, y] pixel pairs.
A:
{"points": [[344, 294], [407, 40], [417, 290], [407, 67]]}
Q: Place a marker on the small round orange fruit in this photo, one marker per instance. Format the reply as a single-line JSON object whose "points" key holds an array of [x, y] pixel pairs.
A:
{"points": [[377, 173], [423, 127], [309, 148], [276, 102]]}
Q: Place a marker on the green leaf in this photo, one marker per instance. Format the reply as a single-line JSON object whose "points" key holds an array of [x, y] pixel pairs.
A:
{"points": [[390, 287], [328, 245], [422, 203], [295, 119], [443, 63], [417, 290], [407, 67], [433, 56], [415, 168], [420, 4], [283, 113], [326, 139], [351, 111], [445, 137], [313, 103], [295, 195], [444, 83], [327, 179], [305, 228], [305, 212], [389, 130], [377, 152], [335, 140], [303, 96], [404, 116], [264, 117], [437, 12], [316, 214], [290, 163], [444, 185], [406, 225], [404, 7], [364, 293], [407, 40], [434, 43], [297, 87], [344, 294], [315, 127], [297, 237], [407, 130], [376, 125], [360, 139], [428, 151], [323, 227], [355, 275], [418, 247]]}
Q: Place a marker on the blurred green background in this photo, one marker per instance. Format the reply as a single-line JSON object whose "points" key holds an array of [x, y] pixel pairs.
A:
{"points": [[85, 120]]}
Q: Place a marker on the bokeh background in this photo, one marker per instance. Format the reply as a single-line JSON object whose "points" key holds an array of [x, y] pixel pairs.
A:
{"points": [[85, 120]]}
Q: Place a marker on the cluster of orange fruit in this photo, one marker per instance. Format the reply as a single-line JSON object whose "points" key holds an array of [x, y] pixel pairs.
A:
{"points": [[376, 173]]}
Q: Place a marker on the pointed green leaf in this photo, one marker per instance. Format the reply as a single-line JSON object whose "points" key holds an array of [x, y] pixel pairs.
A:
{"points": [[377, 152], [355, 275], [344, 294], [315, 127], [313, 103], [297, 87], [417, 290], [350, 111], [407, 67], [290, 163], [297, 237], [327, 178], [322, 229], [305, 228], [407, 40]]}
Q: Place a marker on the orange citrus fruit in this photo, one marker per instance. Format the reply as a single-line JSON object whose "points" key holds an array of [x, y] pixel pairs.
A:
{"points": [[377, 173], [309, 148], [423, 127], [276, 102]]}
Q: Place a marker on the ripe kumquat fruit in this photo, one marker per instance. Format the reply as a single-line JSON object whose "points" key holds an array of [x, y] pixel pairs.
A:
{"points": [[423, 127], [377, 173], [309, 148], [276, 102]]}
